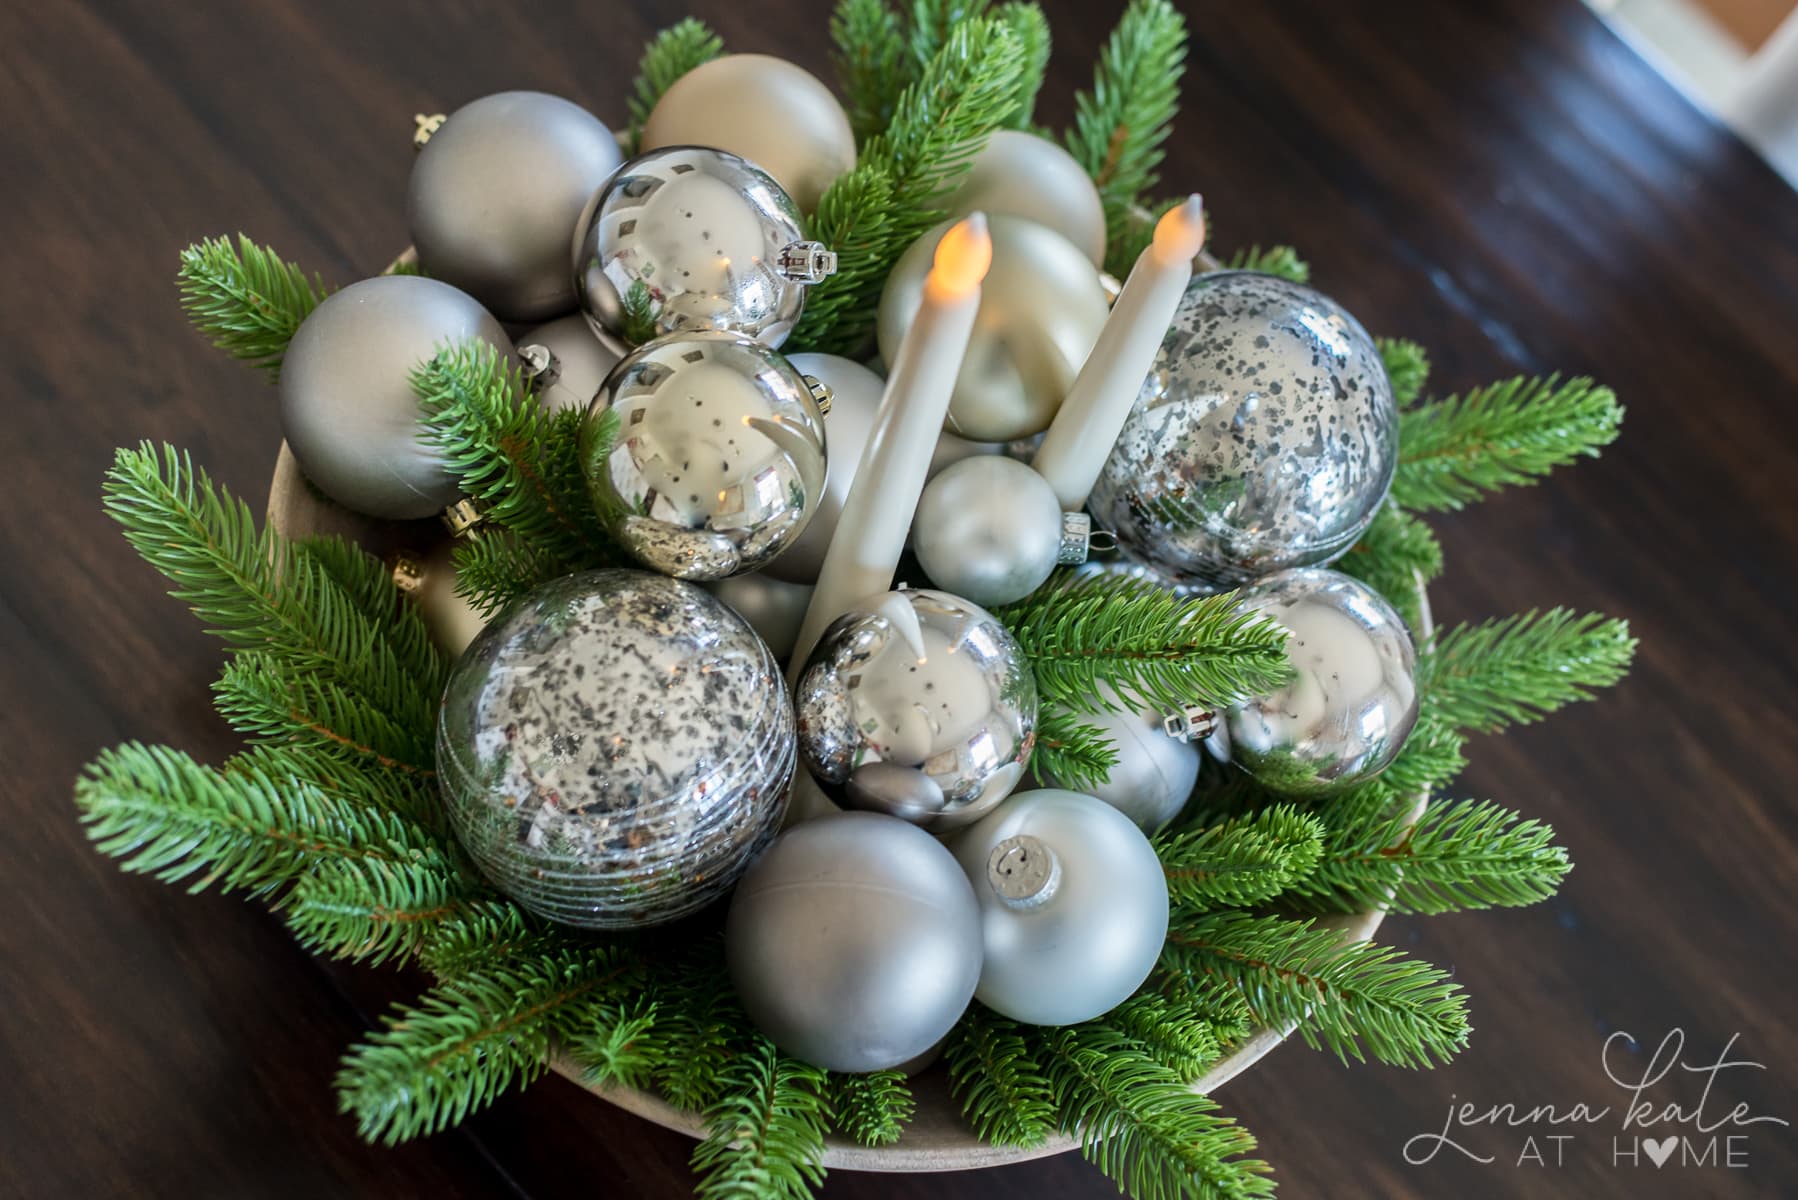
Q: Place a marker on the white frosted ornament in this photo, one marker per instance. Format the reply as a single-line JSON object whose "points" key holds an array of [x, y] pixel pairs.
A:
{"points": [[1022, 175], [1073, 906], [855, 393], [579, 362], [1155, 773], [989, 530], [777, 115]]}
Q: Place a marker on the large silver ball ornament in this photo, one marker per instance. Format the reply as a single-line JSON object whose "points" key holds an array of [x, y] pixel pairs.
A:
{"points": [[1041, 308], [989, 529], [854, 943], [716, 460], [496, 192], [919, 679], [347, 406], [855, 393], [1155, 773], [1073, 906], [615, 749], [689, 239], [1264, 437], [1353, 698], [1019, 174], [578, 362]]}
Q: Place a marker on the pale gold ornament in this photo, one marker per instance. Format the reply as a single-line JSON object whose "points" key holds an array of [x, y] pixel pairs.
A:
{"points": [[1041, 309], [765, 109], [430, 580], [1021, 175]]}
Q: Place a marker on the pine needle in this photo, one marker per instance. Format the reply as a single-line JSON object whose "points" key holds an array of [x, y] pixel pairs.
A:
{"points": [[871, 1108], [1004, 1097], [1283, 261], [1407, 365], [1071, 752], [670, 54], [871, 61], [765, 1132], [1240, 861], [1517, 670], [246, 299]]}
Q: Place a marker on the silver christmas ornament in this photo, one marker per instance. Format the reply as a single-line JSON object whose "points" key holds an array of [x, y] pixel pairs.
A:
{"points": [[347, 407], [615, 749], [919, 679], [1041, 308], [1353, 698], [774, 608], [989, 529], [1265, 436], [577, 363], [1073, 906], [495, 194], [717, 458], [1019, 174], [689, 239], [951, 449], [854, 943], [1155, 773], [855, 393], [903, 792], [775, 114]]}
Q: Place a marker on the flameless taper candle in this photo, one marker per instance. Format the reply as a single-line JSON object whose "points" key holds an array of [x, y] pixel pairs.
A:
{"points": [[870, 534], [1090, 419]]}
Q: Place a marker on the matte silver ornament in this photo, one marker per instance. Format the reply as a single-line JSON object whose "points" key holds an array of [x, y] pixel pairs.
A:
{"points": [[495, 194], [1265, 436], [989, 529], [579, 362], [854, 943], [615, 749], [717, 462], [347, 407], [920, 679], [774, 608], [699, 240], [1353, 699], [1073, 902], [1155, 773], [855, 394]]}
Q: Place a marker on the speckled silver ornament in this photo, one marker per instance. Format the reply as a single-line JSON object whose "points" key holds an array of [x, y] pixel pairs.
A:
{"points": [[615, 749], [348, 411], [579, 362], [1353, 699], [922, 679], [717, 462], [1154, 774], [495, 194], [988, 528], [706, 240], [1264, 437]]}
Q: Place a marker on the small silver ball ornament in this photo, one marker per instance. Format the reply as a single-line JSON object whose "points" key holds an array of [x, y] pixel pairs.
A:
{"points": [[1265, 436], [988, 528], [1353, 698], [717, 462], [615, 749], [854, 942], [855, 394], [1155, 774], [704, 240], [920, 679], [578, 362]]}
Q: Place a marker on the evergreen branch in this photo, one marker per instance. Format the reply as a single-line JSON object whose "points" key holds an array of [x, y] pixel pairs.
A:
{"points": [[1407, 365], [871, 63], [1138, 1122], [703, 1031], [260, 700], [1453, 451], [375, 910], [1153, 649], [1070, 751], [856, 218], [1283, 261], [1356, 998], [1519, 669], [1133, 235], [482, 935], [930, 26], [246, 299], [670, 54], [413, 797], [498, 567], [872, 1108], [765, 1132], [637, 316], [1004, 1097], [1396, 556], [367, 582], [1172, 1034], [1241, 861], [617, 1047], [1031, 28]]}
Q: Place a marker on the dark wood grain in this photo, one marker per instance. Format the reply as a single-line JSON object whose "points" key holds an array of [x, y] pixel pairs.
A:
{"points": [[1502, 181]]}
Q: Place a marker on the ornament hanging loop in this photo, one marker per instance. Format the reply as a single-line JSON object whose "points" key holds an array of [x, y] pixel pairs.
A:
{"points": [[1024, 873], [427, 124]]}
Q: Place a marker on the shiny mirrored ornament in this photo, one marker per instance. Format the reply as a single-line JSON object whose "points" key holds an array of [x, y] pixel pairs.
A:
{"points": [[716, 459], [855, 393], [1154, 774], [1353, 697], [854, 943], [903, 792], [1019, 174], [1041, 308], [1265, 436], [774, 608], [925, 680], [495, 194], [615, 749], [988, 528], [578, 363], [348, 411], [1073, 906], [690, 239]]}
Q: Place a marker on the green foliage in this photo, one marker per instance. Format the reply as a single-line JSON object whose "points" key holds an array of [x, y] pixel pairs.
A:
{"points": [[264, 702], [1031, 28], [1150, 647], [1072, 752], [1172, 1034], [485, 932], [1283, 261], [1004, 1097], [669, 55], [1240, 861], [367, 583], [1357, 998], [871, 1108], [765, 1133], [1407, 365], [1518, 670], [871, 59], [618, 1049], [704, 1029], [246, 299], [1396, 556], [375, 909], [1121, 123], [1453, 451], [1432, 756], [639, 313]]}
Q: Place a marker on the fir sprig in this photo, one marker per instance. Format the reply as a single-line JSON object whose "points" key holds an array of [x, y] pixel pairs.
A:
{"points": [[765, 1132], [1031, 28], [1241, 861], [618, 1049], [246, 299], [1172, 1034], [871, 1108], [670, 54], [1486, 676], [1396, 556], [1072, 752], [1283, 261], [367, 582], [871, 60], [264, 702], [1004, 1097], [374, 910], [703, 1030], [1407, 366]]}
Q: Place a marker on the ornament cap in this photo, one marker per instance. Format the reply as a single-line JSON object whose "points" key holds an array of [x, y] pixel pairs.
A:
{"points": [[542, 369], [807, 262], [1024, 873], [463, 517], [1194, 723], [408, 574], [1076, 538], [820, 392], [427, 124]]}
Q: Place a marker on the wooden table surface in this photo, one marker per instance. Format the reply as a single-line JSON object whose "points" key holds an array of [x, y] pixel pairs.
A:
{"points": [[1505, 182]]}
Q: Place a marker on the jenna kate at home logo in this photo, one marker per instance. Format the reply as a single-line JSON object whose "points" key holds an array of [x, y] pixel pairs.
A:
{"points": [[1635, 1126]]}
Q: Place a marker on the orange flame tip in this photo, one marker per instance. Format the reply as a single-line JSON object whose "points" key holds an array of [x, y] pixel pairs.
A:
{"points": [[963, 256], [1180, 234]]}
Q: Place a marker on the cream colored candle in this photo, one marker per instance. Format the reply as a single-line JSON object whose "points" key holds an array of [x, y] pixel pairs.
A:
{"points": [[1090, 419], [870, 533]]}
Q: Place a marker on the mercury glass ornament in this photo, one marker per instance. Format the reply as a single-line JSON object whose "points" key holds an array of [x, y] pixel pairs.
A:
{"points": [[854, 943], [348, 411], [1073, 906], [688, 239], [716, 458], [1353, 698], [1264, 437], [919, 679], [1041, 308], [615, 749], [1155, 773], [774, 608], [988, 528], [578, 362], [1019, 174], [495, 194], [855, 393]]}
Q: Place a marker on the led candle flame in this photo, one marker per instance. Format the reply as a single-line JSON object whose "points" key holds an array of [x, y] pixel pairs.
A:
{"points": [[963, 257]]}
